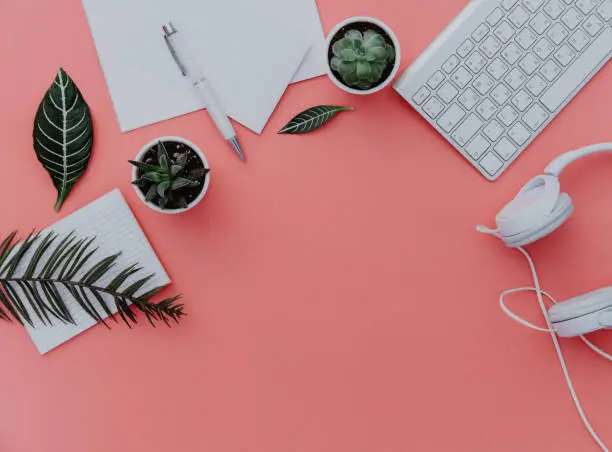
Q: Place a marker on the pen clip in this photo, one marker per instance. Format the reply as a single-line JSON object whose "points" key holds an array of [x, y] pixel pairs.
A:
{"points": [[180, 65], [174, 53]]}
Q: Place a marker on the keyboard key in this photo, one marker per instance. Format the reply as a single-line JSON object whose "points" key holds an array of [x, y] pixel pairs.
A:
{"points": [[515, 78], [433, 107], [540, 23], [483, 84], [494, 130], [501, 94], [529, 63], [421, 95], [554, 8], [507, 115], [451, 63], [550, 70], [593, 24], [535, 117], [558, 33], [519, 17], [477, 147], [519, 134], [578, 72], [451, 118], [579, 40], [508, 4], [435, 80], [480, 32], [447, 92], [526, 38], [498, 68], [565, 55], [536, 85], [505, 149], [543, 48], [571, 18], [512, 53], [490, 46], [533, 5], [465, 48], [486, 109], [522, 100], [495, 16], [605, 10], [476, 62], [504, 31], [467, 129], [461, 77], [469, 98], [586, 6], [491, 163]]}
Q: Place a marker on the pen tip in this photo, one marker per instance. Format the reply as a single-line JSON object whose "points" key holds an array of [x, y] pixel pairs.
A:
{"points": [[236, 145]]}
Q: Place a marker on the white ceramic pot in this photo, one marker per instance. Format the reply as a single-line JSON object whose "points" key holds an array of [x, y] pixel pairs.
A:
{"points": [[391, 35], [196, 149]]}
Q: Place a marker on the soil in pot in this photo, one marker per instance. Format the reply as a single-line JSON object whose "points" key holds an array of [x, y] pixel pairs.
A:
{"points": [[362, 27], [194, 162]]}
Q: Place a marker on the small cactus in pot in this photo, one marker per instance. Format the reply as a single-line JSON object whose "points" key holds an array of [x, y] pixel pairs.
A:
{"points": [[360, 59], [363, 55]]}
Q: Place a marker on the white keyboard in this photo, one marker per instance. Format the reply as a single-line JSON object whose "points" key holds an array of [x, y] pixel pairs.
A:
{"points": [[503, 69]]}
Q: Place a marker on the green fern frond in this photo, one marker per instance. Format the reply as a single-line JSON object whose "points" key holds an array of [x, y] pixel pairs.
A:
{"points": [[56, 265]]}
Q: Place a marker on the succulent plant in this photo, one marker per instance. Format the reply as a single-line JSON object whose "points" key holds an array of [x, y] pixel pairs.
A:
{"points": [[361, 58], [166, 178]]}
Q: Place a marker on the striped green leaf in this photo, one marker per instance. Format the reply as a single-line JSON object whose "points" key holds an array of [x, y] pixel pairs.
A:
{"points": [[63, 135], [312, 119]]}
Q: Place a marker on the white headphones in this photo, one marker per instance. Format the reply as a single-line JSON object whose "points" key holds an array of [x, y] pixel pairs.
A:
{"points": [[537, 210]]}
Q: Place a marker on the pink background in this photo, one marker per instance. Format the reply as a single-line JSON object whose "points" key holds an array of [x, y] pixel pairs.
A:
{"points": [[339, 298]]}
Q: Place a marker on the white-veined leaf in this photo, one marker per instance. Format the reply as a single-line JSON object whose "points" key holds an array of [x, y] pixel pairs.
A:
{"points": [[63, 134], [312, 119]]}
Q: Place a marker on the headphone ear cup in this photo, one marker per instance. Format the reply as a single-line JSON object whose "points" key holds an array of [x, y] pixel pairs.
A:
{"points": [[583, 314], [549, 224], [538, 209]]}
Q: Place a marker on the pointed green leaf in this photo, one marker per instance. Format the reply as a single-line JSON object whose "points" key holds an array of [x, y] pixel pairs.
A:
{"points": [[146, 167], [162, 187], [162, 156], [151, 193], [312, 119], [63, 134], [181, 182]]}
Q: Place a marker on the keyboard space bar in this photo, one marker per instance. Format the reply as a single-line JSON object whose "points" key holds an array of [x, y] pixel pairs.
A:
{"points": [[578, 72]]}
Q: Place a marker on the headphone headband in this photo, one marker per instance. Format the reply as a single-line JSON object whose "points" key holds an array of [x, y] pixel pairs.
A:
{"points": [[557, 165]]}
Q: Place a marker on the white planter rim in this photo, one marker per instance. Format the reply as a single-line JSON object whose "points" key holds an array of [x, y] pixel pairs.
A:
{"points": [[390, 33], [200, 154]]}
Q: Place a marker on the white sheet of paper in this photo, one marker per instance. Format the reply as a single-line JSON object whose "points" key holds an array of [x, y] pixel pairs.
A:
{"points": [[111, 221], [248, 54], [306, 18]]}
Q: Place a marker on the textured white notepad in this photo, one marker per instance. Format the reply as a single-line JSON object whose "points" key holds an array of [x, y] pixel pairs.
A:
{"points": [[248, 52], [111, 221]]}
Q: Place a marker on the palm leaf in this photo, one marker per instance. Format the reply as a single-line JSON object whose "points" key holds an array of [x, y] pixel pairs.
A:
{"points": [[312, 119], [38, 279], [63, 134]]}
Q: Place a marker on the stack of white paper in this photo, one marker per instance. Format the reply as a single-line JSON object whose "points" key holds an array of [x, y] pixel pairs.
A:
{"points": [[111, 222], [249, 50]]}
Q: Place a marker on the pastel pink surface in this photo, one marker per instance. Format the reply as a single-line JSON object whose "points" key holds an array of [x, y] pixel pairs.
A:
{"points": [[339, 298]]}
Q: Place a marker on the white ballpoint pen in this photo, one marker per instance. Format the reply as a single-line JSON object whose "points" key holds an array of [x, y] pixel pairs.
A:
{"points": [[190, 69]]}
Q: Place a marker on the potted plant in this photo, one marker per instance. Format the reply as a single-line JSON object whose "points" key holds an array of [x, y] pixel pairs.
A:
{"points": [[363, 55], [171, 175]]}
